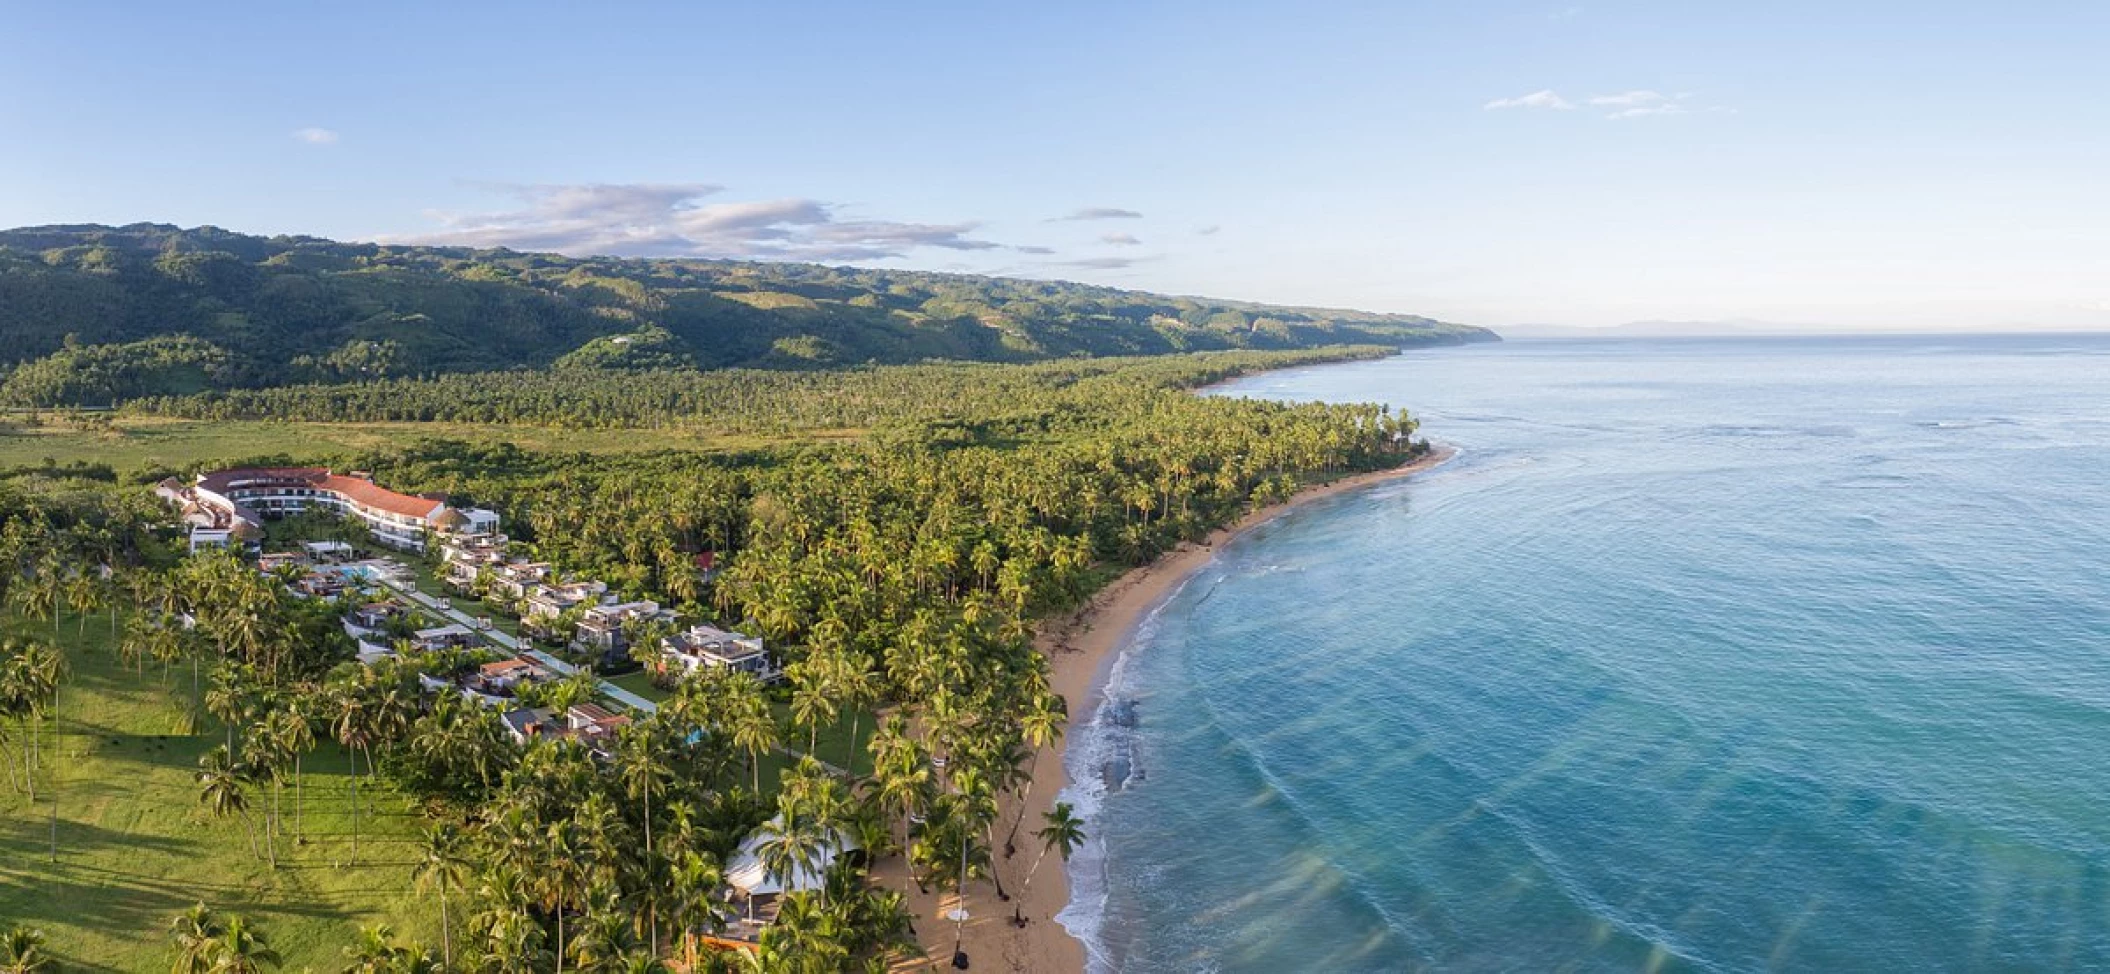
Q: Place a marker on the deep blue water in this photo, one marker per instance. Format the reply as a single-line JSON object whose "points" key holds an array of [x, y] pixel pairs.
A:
{"points": [[1703, 655]]}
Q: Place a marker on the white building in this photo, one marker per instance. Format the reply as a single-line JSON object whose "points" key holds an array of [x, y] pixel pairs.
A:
{"points": [[700, 646], [230, 498]]}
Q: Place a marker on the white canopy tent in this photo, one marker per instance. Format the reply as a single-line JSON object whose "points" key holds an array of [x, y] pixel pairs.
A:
{"points": [[746, 873]]}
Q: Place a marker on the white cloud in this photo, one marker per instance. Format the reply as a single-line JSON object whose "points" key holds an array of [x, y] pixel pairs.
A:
{"points": [[1630, 99], [1648, 110], [671, 220], [315, 136], [1544, 98], [1120, 239], [1098, 213], [1208, 231]]}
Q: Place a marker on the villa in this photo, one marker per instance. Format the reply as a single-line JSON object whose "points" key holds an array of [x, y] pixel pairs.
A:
{"points": [[701, 646], [237, 501], [601, 629], [465, 557], [514, 579], [450, 636], [502, 677], [376, 615], [546, 602]]}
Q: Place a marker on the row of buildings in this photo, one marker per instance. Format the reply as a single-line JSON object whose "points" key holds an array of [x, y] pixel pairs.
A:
{"points": [[228, 506], [605, 625]]}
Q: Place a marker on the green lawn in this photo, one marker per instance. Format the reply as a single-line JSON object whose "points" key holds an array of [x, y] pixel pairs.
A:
{"points": [[834, 739], [135, 846], [640, 683]]}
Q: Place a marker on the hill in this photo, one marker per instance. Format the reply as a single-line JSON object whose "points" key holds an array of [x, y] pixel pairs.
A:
{"points": [[98, 314]]}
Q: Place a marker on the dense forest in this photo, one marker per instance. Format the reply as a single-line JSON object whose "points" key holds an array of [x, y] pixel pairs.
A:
{"points": [[899, 574], [90, 314], [976, 399]]}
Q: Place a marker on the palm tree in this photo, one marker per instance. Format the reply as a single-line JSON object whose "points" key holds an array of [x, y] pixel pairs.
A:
{"points": [[1064, 832], [1040, 726], [229, 699], [813, 701], [22, 951], [352, 724], [445, 863], [641, 767], [242, 950], [290, 734], [375, 952], [753, 728], [220, 789], [197, 935], [791, 845]]}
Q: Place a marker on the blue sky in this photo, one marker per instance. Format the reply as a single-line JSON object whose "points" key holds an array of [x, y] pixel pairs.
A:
{"points": [[1864, 164]]}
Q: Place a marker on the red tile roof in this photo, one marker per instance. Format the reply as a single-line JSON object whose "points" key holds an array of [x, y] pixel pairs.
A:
{"points": [[360, 490]]}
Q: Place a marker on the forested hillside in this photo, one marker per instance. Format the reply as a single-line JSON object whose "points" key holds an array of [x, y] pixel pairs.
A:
{"points": [[90, 314]]}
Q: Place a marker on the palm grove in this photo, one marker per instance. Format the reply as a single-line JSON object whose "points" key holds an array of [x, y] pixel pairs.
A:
{"points": [[900, 571]]}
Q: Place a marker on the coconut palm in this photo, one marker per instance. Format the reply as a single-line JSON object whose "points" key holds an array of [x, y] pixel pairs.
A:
{"points": [[196, 932], [242, 950], [442, 867], [220, 788], [291, 735], [374, 952], [1063, 832], [1040, 726], [22, 951], [352, 724]]}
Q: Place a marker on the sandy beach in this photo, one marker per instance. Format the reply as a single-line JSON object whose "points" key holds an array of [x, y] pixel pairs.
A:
{"points": [[1080, 646]]}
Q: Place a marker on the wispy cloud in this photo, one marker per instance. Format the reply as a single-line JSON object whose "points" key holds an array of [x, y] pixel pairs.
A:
{"points": [[1630, 99], [315, 136], [1120, 239], [1645, 104], [1544, 98], [1101, 263], [1565, 14], [671, 220], [1635, 103], [1098, 213], [1208, 231]]}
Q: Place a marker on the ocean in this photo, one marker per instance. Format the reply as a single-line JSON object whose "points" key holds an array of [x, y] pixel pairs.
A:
{"points": [[1707, 655]]}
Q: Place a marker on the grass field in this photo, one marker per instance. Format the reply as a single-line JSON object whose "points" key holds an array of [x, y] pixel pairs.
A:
{"points": [[139, 443], [135, 846]]}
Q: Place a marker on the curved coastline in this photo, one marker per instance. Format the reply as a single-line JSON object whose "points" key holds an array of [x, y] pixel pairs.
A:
{"points": [[1082, 649]]}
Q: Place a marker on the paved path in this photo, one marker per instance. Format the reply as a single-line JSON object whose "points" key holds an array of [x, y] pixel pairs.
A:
{"points": [[503, 641], [447, 611]]}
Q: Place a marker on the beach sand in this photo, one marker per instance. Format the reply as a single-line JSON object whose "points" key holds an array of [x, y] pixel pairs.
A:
{"points": [[1080, 646]]}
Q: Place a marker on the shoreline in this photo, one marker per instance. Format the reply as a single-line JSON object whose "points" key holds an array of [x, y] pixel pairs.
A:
{"points": [[1081, 646]]}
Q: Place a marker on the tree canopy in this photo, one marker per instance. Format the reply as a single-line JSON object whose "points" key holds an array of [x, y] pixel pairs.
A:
{"points": [[274, 310]]}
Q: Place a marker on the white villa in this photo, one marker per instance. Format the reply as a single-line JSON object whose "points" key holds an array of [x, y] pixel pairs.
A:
{"points": [[700, 646], [601, 628], [238, 500]]}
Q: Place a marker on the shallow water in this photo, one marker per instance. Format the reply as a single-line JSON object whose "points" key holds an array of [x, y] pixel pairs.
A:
{"points": [[1703, 655]]}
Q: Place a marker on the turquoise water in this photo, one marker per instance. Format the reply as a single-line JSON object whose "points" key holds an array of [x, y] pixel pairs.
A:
{"points": [[1703, 655]]}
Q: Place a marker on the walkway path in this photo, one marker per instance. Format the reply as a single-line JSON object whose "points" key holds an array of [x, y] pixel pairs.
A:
{"points": [[447, 611]]}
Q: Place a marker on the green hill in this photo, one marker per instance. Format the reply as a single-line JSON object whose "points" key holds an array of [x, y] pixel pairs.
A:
{"points": [[97, 314]]}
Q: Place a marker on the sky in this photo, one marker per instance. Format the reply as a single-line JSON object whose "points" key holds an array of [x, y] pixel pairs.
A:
{"points": [[1858, 164]]}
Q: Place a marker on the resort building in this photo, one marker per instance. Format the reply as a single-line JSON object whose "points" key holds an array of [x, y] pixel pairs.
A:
{"points": [[514, 579], [604, 629], [465, 557], [376, 615], [239, 499], [450, 636], [545, 603], [700, 646]]}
